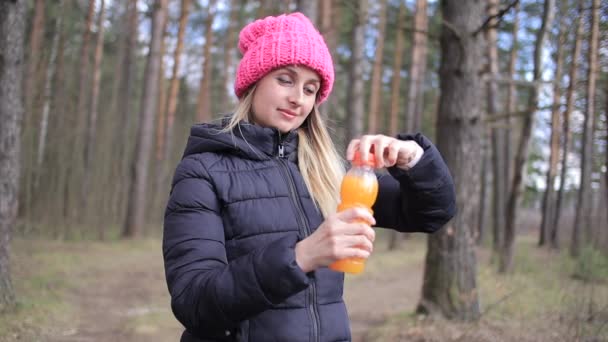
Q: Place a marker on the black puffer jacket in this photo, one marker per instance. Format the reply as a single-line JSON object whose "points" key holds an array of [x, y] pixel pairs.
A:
{"points": [[237, 209]]}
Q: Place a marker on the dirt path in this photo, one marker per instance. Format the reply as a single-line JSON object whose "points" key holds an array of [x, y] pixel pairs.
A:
{"points": [[126, 299]]}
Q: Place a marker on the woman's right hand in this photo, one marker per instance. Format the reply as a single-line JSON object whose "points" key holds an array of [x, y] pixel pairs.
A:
{"points": [[342, 235]]}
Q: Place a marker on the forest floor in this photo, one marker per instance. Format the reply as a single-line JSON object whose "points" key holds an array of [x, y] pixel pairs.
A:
{"points": [[94, 291]]}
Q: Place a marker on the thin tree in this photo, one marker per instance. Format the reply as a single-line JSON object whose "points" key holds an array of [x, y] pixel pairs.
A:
{"points": [[91, 133], [12, 31], [506, 255], [498, 134], [136, 206], [393, 128], [122, 129], [203, 108], [583, 209], [511, 98], [355, 91], [235, 12], [84, 72], [450, 285], [50, 72], [396, 77], [174, 85], [566, 134], [33, 58], [549, 195], [376, 87], [415, 94]]}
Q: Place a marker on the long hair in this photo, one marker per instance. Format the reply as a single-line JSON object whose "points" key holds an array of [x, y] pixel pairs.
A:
{"points": [[318, 161]]}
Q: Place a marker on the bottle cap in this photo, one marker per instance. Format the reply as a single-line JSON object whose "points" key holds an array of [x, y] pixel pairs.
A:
{"points": [[371, 159]]}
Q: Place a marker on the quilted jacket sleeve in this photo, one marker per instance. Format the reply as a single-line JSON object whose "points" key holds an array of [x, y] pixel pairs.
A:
{"points": [[207, 291], [421, 199]]}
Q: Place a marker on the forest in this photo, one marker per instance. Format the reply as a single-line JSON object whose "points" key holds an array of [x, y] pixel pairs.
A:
{"points": [[97, 98]]}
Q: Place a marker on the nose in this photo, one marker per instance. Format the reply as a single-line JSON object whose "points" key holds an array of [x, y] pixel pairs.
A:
{"points": [[296, 96]]}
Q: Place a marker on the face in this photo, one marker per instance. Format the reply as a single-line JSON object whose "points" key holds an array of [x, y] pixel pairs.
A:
{"points": [[284, 98]]}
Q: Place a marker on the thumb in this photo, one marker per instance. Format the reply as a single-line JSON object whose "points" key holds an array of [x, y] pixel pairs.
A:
{"points": [[358, 213]]}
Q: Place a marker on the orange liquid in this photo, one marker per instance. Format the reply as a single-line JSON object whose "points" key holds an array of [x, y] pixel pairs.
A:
{"points": [[356, 191]]}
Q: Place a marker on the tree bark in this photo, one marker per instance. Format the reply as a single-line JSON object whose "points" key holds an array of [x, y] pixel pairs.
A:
{"points": [[498, 135], [570, 100], [506, 255], [415, 93], [133, 226], [12, 31], [376, 88], [583, 209], [548, 206], [203, 108], [355, 92], [450, 285]]}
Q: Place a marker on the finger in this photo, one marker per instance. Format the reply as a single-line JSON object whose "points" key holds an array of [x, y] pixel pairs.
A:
{"points": [[356, 213], [352, 147], [365, 145], [380, 144], [355, 252], [393, 153]]}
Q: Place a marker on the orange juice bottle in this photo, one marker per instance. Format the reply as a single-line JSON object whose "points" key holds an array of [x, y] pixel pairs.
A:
{"points": [[359, 189]]}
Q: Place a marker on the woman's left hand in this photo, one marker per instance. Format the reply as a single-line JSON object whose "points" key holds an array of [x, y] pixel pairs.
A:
{"points": [[394, 152]]}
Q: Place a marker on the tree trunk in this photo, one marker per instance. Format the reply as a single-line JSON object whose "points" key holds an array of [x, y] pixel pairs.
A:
{"points": [[12, 31], [450, 285], [44, 120], [570, 100], [203, 108], [91, 135], [309, 9], [393, 129], [330, 16], [506, 255], [137, 190], [512, 100], [396, 77], [235, 14], [376, 88], [122, 128], [498, 134], [83, 74], [417, 69], [355, 92], [548, 205], [583, 209], [174, 88], [32, 62]]}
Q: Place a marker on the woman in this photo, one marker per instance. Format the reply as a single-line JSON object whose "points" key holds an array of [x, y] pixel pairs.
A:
{"points": [[251, 221]]}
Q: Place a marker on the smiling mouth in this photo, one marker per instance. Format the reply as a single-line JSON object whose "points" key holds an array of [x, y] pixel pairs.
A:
{"points": [[287, 112]]}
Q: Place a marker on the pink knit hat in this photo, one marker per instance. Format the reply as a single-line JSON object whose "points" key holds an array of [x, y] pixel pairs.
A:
{"points": [[273, 42]]}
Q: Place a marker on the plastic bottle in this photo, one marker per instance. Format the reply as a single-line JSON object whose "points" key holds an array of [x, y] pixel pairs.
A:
{"points": [[359, 189]]}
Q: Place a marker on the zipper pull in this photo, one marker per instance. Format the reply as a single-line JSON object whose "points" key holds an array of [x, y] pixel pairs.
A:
{"points": [[281, 151]]}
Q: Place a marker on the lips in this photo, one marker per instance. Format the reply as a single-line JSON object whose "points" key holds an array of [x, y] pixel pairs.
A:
{"points": [[288, 112]]}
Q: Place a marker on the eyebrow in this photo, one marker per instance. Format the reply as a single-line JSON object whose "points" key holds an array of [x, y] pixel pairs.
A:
{"points": [[295, 72]]}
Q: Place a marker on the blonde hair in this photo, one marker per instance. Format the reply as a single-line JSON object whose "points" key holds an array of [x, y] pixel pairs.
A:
{"points": [[319, 162]]}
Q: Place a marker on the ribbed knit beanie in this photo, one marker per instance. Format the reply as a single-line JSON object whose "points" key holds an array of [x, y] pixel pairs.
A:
{"points": [[273, 42]]}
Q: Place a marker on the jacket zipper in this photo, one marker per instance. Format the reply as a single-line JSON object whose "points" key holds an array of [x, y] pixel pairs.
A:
{"points": [[292, 192]]}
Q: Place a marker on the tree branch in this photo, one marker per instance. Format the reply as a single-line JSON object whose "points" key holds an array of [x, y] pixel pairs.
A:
{"points": [[498, 16]]}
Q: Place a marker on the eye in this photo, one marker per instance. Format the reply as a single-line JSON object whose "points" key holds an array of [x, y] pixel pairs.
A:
{"points": [[310, 90], [283, 79]]}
